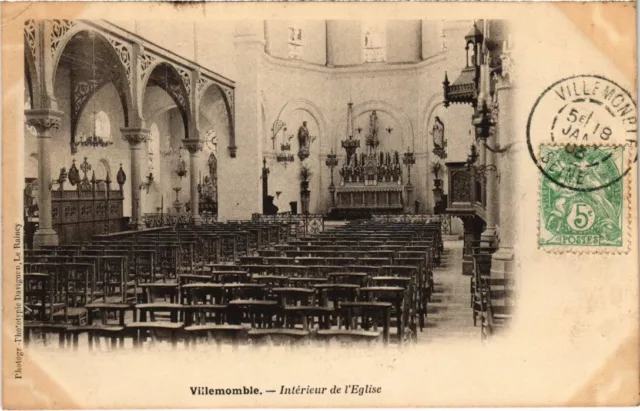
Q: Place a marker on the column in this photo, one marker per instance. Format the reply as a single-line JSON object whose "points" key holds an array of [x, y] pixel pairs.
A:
{"points": [[135, 137], [490, 175], [267, 40], [240, 197], [487, 137], [194, 146], [330, 42], [44, 121], [503, 260]]}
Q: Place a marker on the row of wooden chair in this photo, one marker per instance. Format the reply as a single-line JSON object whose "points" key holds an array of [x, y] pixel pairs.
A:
{"points": [[491, 296], [190, 275]]}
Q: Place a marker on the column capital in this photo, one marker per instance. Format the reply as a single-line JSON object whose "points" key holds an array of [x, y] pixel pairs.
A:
{"points": [[192, 145], [44, 120], [134, 135]]}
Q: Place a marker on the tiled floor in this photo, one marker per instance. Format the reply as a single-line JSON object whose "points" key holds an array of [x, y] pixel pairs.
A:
{"points": [[449, 312]]}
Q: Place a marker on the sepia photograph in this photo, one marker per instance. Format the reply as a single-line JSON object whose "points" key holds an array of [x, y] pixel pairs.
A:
{"points": [[319, 205], [321, 234]]}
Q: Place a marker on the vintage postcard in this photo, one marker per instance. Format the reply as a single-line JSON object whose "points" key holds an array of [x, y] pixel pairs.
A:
{"points": [[277, 205]]}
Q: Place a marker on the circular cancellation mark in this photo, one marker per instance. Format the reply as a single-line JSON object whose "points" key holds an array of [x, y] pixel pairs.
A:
{"points": [[589, 116]]}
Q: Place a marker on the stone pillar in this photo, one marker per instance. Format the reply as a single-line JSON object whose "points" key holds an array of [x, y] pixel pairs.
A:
{"points": [[267, 40], [485, 127], [44, 121], [194, 147], [503, 260], [491, 176], [490, 179], [330, 37], [239, 183], [135, 137]]}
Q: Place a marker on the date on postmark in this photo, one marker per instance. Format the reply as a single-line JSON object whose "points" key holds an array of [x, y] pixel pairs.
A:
{"points": [[582, 136]]}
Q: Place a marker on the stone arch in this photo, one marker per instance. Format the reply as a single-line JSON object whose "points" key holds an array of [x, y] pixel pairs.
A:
{"points": [[228, 108], [161, 110], [314, 112], [179, 95], [103, 163], [30, 78], [30, 67], [394, 112], [428, 118], [123, 87]]}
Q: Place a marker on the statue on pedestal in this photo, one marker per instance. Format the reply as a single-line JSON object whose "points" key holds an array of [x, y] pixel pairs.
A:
{"points": [[303, 141], [372, 138]]}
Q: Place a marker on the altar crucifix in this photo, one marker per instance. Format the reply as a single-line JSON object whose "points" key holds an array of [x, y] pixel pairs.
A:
{"points": [[370, 180]]}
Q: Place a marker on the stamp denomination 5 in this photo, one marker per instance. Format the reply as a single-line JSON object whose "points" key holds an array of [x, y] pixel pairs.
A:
{"points": [[582, 136]]}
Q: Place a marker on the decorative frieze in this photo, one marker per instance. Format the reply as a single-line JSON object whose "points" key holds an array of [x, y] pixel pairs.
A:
{"points": [[176, 92], [229, 93], [124, 54], [58, 30], [186, 79], [30, 36], [145, 61]]}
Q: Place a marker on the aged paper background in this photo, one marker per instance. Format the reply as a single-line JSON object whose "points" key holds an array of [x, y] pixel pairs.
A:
{"points": [[574, 340]]}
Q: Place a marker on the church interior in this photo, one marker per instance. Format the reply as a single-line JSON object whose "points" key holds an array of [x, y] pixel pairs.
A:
{"points": [[266, 182]]}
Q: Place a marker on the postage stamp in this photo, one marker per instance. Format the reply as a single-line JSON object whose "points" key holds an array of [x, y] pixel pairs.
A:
{"points": [[573, 215], [582, 136]]}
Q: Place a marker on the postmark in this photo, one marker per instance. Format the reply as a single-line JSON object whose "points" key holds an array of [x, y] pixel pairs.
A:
{"points": [[583, 110], [575, 217], [582, 136]]}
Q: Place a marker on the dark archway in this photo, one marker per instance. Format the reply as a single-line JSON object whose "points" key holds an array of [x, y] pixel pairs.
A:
{"points": [[166, 77], [93, 63], [211, 94]]}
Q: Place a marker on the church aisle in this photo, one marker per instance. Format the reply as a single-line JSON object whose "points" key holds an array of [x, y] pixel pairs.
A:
{"points": [[449, 312]]}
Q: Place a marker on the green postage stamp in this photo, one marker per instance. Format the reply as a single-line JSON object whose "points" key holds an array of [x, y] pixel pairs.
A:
{"points": [[582, 198]]}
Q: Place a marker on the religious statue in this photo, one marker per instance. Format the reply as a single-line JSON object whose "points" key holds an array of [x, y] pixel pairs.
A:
{"points": [[303, 141], [213, 168], [372, 138], [439, 142]]}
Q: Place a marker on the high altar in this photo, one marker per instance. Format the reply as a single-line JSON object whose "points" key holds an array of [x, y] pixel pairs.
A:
{"points": [[370, 181]]}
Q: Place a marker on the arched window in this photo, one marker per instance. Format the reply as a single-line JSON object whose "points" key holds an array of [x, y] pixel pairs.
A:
{"points": [[374, 41], [102, 126], [294, 39]]}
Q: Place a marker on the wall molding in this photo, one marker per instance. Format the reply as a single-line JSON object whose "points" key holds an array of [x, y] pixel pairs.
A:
{"points": [[357, 69]]}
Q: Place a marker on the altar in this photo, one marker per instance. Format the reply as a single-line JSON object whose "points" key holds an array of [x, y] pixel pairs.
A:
{"points": [[370, 181], [370, 197]]}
